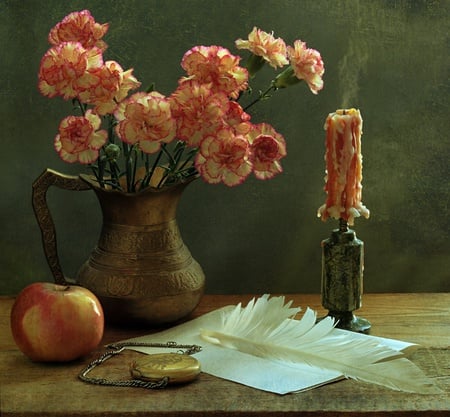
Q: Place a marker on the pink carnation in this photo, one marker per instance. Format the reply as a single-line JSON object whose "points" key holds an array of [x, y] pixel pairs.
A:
{"points": [[267, 147], [145, 119], [237, 119], [79, 139], [65, 70], [79, 27], [307, 65], [265, 45], [197, 110], [224, 157], [112, 86], [216, 65]]}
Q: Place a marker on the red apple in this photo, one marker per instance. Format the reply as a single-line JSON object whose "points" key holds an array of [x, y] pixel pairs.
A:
{"points": [[56, 323]]}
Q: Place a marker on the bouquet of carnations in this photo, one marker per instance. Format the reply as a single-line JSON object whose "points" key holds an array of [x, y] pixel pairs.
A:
{"points": [[132, 140]]}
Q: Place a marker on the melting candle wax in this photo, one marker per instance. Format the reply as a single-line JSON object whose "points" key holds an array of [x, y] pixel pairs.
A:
{"points": [[343, 160]]}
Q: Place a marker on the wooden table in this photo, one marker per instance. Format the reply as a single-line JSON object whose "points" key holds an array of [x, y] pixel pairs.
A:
{"points": [[33, 389]]}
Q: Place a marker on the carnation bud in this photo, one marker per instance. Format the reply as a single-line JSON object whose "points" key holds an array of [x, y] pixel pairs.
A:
{"points": [[112, 152]]}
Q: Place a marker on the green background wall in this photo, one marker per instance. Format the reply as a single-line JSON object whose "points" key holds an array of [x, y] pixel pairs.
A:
{"points": [[390, 59]]}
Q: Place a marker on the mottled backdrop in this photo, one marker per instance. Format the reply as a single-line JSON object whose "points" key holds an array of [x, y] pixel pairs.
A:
{"points": [[388, 58]]}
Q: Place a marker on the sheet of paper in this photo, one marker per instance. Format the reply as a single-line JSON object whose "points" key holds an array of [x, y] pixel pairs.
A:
{"points": [[264, 374]]}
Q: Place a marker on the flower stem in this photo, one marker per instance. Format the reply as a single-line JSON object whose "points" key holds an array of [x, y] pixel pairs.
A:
{"points": [[134, 150], [178, 151], [111, 128], [188, 159], [170, 168], [164, 149], [114, 173], [262, 96], [97, 175], [78, 104], [149, 174], [128, 167]]}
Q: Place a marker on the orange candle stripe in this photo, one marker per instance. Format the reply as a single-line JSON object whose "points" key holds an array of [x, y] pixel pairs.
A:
{"points": [[343, 160]]}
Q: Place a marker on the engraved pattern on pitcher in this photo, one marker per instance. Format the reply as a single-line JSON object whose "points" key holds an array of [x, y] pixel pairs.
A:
{"points": [[125, 239], [177, 281], [119, 286]]}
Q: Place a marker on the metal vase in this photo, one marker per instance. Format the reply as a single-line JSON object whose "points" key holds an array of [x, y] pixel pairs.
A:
{"points": [[140, 269]]}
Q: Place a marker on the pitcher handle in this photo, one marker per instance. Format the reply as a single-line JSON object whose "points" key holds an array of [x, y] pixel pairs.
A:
{"points": [[39, 193]]}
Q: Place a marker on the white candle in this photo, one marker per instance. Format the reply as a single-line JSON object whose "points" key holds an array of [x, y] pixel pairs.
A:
{"points": [[343, 160]]}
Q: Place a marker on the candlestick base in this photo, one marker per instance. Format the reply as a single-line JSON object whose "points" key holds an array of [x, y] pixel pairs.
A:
{"points": [[348, 321], [342, 278]]}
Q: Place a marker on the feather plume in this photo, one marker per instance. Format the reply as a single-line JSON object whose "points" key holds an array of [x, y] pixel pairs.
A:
{"points": [[266, 328]]}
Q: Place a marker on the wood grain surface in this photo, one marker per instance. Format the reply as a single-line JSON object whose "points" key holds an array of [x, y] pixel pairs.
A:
{"points": [[36, 389]]}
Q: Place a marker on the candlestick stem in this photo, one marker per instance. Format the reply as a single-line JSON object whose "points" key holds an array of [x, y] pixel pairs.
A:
{"points": [[343, 225], [342, 276]]}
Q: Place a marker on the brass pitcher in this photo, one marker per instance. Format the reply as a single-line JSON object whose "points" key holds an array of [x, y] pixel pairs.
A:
{"points": [[140, 270]]}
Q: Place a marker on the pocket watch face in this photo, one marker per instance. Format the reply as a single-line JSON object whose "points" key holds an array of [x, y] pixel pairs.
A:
{"points": [[177, 367]]}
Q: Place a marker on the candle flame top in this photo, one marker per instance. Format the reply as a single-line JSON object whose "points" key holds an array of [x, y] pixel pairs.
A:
{"points": [[343, 160]]}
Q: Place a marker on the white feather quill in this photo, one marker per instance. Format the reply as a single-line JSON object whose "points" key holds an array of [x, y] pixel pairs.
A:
{"points": [[266, 328]]}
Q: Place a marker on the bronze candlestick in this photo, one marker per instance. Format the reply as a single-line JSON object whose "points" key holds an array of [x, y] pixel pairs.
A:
{"points": [[342, 278]]}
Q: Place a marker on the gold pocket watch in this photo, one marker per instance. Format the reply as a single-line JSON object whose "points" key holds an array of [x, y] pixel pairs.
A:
{"points": [[152, 371], [178, 368]]}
